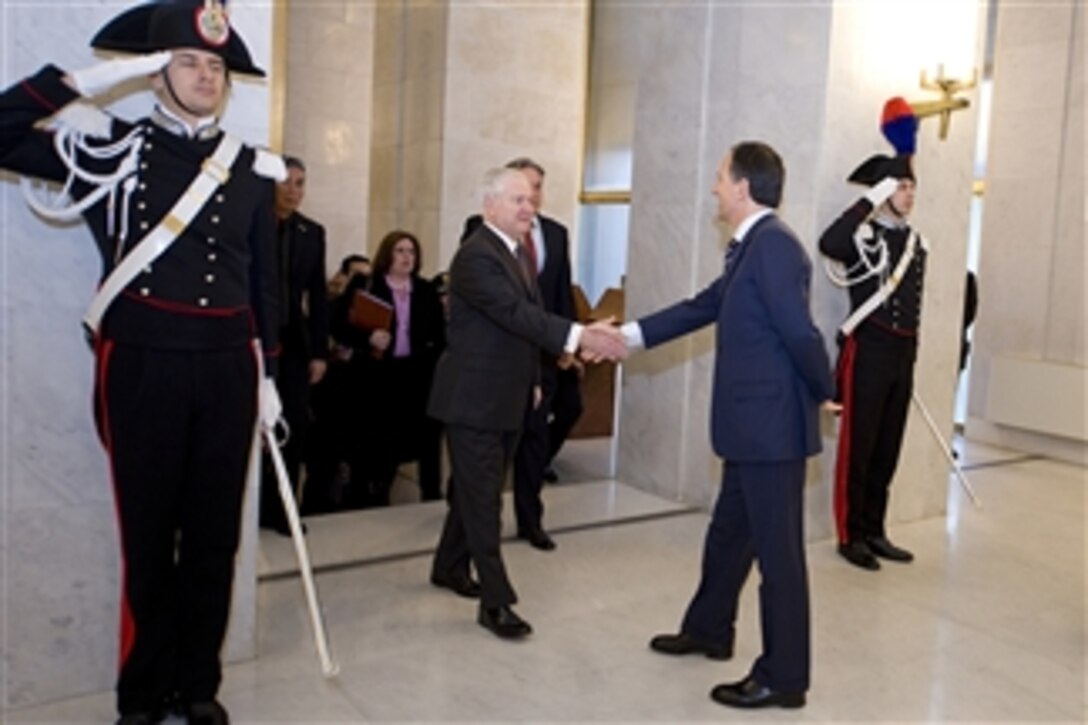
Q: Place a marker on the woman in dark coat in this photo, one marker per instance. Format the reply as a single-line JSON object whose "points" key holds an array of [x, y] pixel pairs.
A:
{"points": [[393, 369]]}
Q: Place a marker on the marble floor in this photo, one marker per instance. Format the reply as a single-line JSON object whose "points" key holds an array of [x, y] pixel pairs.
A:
{"points": [[988, 625]]}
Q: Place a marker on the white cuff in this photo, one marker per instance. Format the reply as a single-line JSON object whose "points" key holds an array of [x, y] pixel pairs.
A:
{"points": [[632, 333], [574, 337]]}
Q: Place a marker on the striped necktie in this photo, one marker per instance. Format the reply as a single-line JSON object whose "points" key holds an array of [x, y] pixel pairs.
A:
{"points": [[731, 252]]}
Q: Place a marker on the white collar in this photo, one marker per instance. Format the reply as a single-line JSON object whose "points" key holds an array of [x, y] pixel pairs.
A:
{"points": [[890, 221], [510, 243], [750, 221], [203, 128]]}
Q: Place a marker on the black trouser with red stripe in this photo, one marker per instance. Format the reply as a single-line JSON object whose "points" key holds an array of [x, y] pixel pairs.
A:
{"points": [[875, 377], [178, 426]]}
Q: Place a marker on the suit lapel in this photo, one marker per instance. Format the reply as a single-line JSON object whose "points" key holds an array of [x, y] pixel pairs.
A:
{"points": [[509, 261]]}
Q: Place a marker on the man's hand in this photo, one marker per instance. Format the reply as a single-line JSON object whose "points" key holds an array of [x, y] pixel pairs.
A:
{"points": [[831, 406], [603, 341], [882, 191], [317, 371], [103, 76], [269, 406], [380, 339], [568, 360]]}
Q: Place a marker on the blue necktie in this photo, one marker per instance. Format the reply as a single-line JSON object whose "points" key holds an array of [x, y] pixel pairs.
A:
{"points": [[731, 252]]}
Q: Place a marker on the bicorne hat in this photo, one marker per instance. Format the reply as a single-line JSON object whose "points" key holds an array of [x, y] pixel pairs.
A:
{"points": [[166, 24], [900, 126]]}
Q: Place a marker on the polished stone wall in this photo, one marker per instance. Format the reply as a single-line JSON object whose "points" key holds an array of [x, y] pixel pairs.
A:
{"points": [[461, 87], [408, 117], [327, 114], [58, 544], [712, 75], [1032, 261]]}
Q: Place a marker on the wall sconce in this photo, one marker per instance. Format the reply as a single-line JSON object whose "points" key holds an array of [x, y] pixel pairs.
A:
{"points": [[948, 102]]}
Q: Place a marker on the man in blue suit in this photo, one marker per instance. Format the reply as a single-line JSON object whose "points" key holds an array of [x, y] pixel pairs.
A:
{"points": [[771, 375]]}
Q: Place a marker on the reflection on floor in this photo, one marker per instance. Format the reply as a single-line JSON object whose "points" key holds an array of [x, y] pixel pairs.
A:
{"points": [[987, 625]]}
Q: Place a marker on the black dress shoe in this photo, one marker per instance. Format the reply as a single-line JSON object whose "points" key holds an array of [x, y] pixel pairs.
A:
{"points": [[209, 712], [503, 622], [885, 549], [461, 585], [683, 644], [750, 694], [858, 554], [140, 718], [550, 475], [538, 539]]}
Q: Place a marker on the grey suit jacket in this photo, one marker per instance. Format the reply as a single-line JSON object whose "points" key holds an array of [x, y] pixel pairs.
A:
{"points": [[496, 331]]}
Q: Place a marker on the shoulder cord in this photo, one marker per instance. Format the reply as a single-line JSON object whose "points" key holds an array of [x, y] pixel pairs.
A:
{"points": [[868, 243], [68, 143]]}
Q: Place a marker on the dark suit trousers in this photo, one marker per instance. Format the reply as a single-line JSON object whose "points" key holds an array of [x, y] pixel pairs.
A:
{"points": [[566, 409], [532, 454], [759, 516], [473, 528]]}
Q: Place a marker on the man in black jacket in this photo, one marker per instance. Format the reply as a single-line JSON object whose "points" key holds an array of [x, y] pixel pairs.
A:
{"points": [[304, 330]]}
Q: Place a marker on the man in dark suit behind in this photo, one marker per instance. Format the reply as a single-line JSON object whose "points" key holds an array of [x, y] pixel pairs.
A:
{"points": [[561, 403], [487, 377], [771, 375], [304, 329]]}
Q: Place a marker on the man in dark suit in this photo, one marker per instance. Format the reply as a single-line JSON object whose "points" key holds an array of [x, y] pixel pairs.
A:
{"points": [[487, 377], [304, 330], [771, 374], [549, 255]]}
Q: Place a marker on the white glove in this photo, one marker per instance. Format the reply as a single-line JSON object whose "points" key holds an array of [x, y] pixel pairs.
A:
{"points": [[269, 406], [882, 191], [98, 78]]}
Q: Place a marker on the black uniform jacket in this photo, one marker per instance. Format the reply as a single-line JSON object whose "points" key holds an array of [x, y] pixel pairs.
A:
{"points": [[215, 287], [902, 311]]}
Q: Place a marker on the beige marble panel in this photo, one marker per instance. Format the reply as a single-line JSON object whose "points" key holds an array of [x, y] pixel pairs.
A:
{"points": [[1024, 143], [511, 94], [1023, 66], [1033, 224], [1034, 23], [329, 110]]}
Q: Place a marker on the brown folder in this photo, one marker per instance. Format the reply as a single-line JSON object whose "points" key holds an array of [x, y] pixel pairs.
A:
{"points": [[370, 313]]}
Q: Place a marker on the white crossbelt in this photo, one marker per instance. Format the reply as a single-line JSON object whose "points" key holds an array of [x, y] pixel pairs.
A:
{"points": [[214, 172], [885, 290]]}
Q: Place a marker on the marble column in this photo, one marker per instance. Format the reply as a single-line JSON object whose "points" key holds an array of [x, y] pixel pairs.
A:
{"points": [[797, 78], [327, 116], [1032, 261], [460, 87], [58, 536]]}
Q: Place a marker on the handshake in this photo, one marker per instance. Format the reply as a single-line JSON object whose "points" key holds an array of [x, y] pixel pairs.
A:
{"points": [[602, 340]]}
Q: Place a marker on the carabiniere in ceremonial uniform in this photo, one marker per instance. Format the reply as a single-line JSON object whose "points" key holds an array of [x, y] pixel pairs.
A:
{"points": [[883, 260], [177, 367]]}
